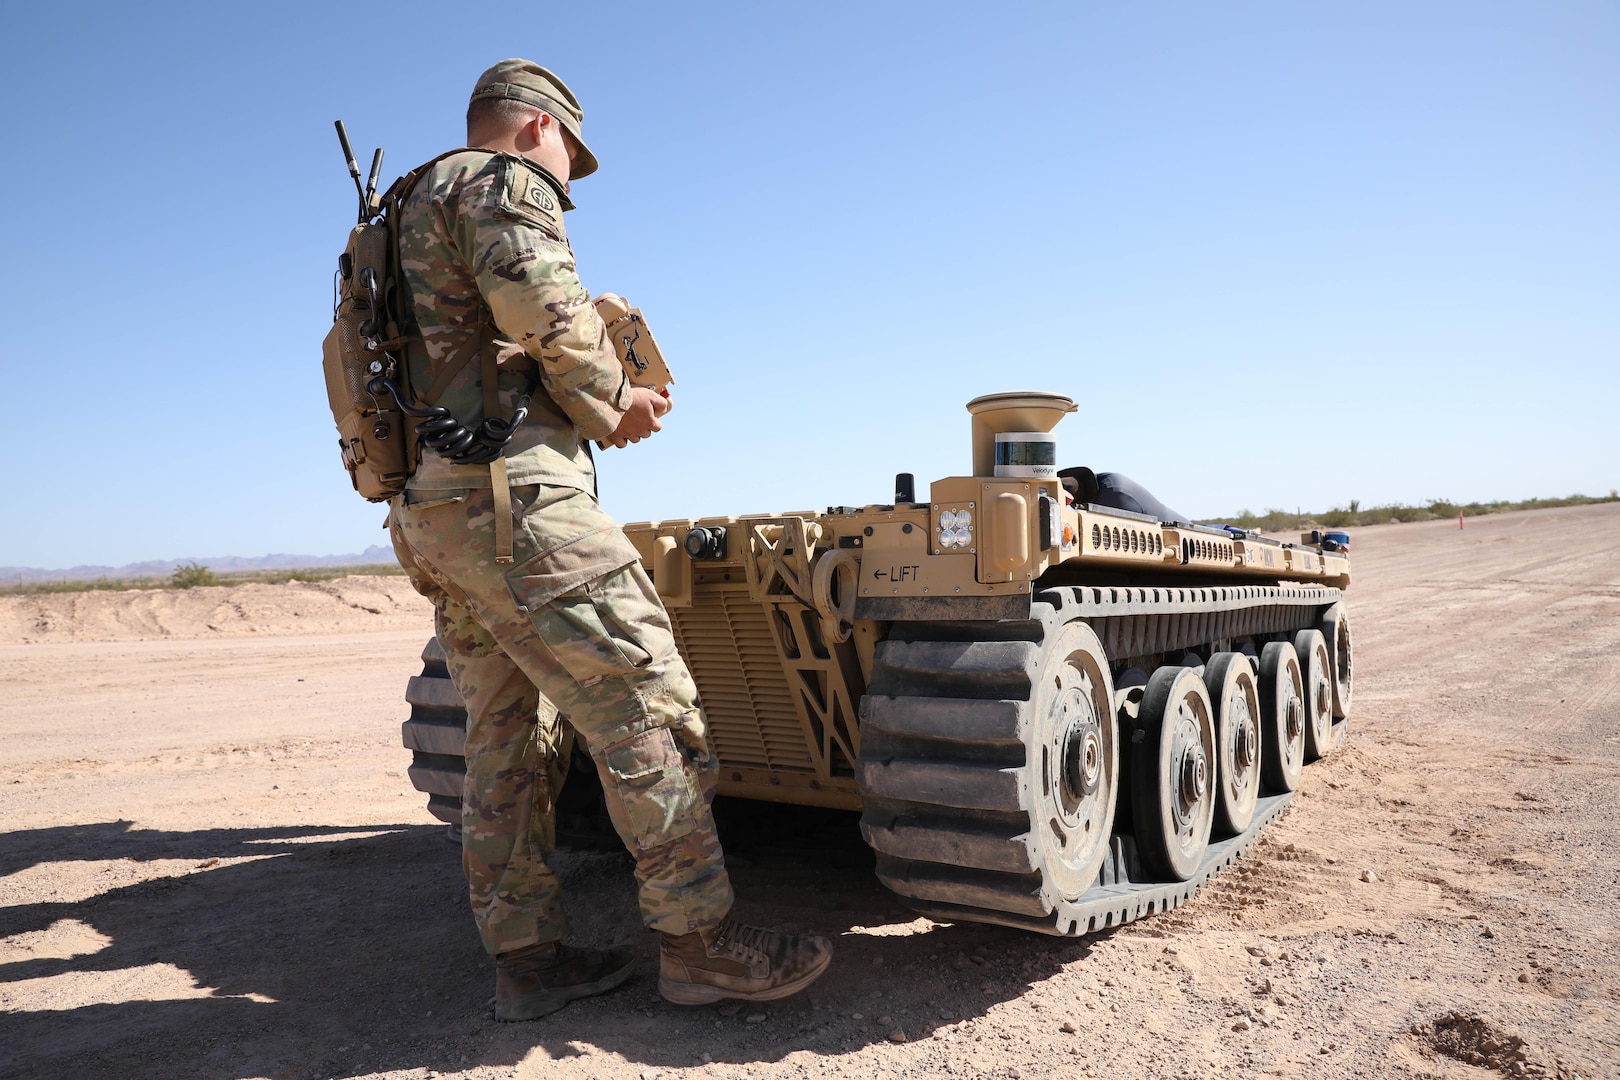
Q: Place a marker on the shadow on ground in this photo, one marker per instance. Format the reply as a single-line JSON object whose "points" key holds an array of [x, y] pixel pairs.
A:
{"points": [[347, 953]]}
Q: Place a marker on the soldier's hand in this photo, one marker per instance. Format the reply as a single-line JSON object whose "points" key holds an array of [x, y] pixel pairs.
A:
{"points": [[641, 419]]}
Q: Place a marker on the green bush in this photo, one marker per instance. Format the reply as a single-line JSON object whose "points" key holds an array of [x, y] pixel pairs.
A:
{"points": [[192, 574]]}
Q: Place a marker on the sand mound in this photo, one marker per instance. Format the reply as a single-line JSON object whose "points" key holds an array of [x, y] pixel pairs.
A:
{"points": [[354, 604]]}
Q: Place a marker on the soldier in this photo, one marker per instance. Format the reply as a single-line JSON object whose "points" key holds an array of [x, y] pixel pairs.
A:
{"points": [[542, 604]]}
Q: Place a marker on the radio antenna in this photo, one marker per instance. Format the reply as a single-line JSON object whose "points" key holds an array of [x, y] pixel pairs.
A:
{"points": [[354, 169], [371, 183]]}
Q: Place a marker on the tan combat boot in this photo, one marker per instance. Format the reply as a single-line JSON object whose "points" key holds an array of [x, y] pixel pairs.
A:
{"points": [[532, 982], [741, 962]]}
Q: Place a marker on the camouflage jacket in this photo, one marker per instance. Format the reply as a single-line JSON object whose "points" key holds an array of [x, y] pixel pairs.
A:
{"points": [[481, 242]]}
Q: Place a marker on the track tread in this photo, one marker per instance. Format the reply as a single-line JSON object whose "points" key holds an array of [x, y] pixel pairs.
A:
{"points": [[1115, 904], [943, 755], [446, 737], [952, 846], [977, 722], [961, 785]]}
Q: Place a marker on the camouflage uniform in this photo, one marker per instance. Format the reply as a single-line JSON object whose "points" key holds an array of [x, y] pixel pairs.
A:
{"points": [[572, 625]]}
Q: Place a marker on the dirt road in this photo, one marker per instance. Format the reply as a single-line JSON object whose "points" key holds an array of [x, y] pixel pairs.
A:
{"points": [[213, 865]]}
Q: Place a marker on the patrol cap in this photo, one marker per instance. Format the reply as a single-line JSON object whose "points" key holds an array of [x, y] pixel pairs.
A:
{"points": [[528, 82]]}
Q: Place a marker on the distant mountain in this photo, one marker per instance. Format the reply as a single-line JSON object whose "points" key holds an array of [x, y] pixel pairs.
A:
{"points": [[226, 563]]}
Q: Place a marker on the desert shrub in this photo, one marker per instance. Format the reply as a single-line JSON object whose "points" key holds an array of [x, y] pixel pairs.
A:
{"points": [[191, 574], [1279, 521]]}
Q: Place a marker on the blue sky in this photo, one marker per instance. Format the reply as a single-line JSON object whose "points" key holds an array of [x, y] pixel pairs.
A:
{"points": [[1282, 254]]}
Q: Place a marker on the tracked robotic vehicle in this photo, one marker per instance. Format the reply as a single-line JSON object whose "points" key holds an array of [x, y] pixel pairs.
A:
{"points": [[1050, 713]]}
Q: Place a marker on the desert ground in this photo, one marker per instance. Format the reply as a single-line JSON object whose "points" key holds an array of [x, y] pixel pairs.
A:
{"points": [[212, 864]]}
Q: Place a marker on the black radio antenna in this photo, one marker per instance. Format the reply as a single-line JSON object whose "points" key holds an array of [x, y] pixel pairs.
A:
{"points": [[371, 183], [354, 169]]}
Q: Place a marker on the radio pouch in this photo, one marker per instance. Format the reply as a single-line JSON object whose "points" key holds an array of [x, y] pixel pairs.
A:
{"points": [[372, 438], [634, 345]]}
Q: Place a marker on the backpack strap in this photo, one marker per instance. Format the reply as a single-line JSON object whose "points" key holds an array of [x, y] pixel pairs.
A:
{"points": [[489, 375], [454, 366]]}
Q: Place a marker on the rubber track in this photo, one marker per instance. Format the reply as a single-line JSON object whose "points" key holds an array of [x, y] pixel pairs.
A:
{"points": [[946, 723], [434, 733], [1116, 904]]}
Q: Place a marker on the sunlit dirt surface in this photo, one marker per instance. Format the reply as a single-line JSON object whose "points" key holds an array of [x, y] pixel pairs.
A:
{"points": [[212, 864]]}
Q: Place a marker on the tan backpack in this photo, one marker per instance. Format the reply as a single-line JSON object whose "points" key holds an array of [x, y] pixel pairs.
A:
{"points": [[367, 380]]}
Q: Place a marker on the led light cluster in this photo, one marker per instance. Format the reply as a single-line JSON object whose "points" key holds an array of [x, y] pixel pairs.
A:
{"points": [[955, 529]]}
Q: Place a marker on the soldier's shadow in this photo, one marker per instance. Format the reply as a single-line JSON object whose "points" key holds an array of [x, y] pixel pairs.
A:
{"points": [[337, 952], [319, 944], [894, 973]]}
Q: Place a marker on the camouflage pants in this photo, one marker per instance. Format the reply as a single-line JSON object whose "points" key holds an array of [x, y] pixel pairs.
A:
{"points": [[572, 625]]}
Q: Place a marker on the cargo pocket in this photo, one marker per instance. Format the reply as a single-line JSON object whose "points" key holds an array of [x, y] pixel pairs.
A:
{"points": [[580, 629], [565, 592], [654, 787]]}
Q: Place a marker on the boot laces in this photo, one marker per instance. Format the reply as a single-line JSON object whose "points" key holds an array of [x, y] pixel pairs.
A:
{"points": [[742, 942]]}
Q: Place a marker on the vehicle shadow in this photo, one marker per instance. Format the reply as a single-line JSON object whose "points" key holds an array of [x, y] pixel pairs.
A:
{"points": [[341, 951]]}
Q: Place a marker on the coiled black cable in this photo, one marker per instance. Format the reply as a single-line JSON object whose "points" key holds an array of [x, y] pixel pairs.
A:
{"points": [[449, 437]]}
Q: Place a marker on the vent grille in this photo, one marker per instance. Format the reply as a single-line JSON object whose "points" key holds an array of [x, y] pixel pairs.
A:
{"points": [[1127, 541], [727, 643], [1197, 549]]}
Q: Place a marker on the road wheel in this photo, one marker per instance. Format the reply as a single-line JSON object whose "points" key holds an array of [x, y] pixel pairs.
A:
{"points": [[1172, 773], [989, 768], [1282, 717], [1079, 760], [1335, 627], [1316, 673], [1229, 678]]}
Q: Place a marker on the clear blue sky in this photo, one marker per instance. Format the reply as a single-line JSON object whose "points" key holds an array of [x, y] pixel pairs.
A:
{"points": [[1283, 254]]}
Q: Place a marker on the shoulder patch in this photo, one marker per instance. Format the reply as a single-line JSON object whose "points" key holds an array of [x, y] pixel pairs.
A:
{"points": [[526, 195], [541, 198]]}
